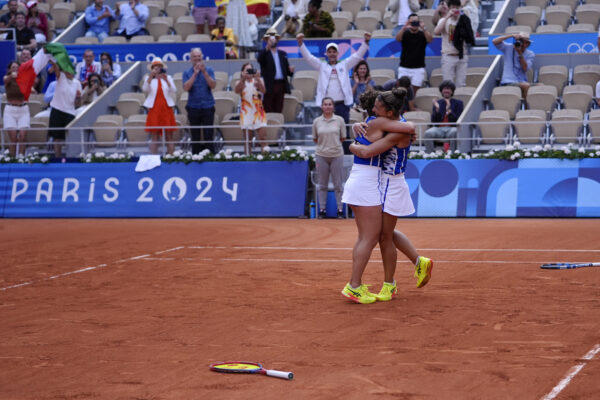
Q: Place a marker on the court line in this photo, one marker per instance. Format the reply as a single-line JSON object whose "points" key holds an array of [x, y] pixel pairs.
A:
{"points": [[424, 249], [571, 374]]}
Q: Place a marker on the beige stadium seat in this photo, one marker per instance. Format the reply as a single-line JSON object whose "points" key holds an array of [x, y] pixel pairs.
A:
{"points": [[177, 8], [198, 37], [558, 15], [185, 26], [221, 79], [115, 40], [154, 8], [381, 76], [530, 126], [135, 130], [555, 75], [86, 40], [378, 5], [354, 6], [571, 3], [178, 80], [421, 118], [475, 75], [62, 14], [354, 34], [424, 98], [107, 130], [381, 34], [566, 125], [291, 108], [142, 39], [517, 29], [182, 102], [231, 131], [38, 134], [588, 14], [130, 103], [328, 5], [594, 125], [169, 39], [180, 120], [225, 103], [549, 29], [298, 94], [306, 81], [464, 93], [436, 77], [578, 97], [80, 5], [158, 26], [44, 8], [367, 20], [528, 15], [426, 15], [539, 3], [35, 106], [493, 125], [586, 74], [507, 98], [581, 28], [235, 78], [160, 3], [355, 115], [542, 97], [342, 20], [275, 131]]}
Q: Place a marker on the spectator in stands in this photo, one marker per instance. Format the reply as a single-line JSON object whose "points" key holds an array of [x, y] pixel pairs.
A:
{"points": [[446, 110], [25, 36], [9, 19], [471, 8], [226, 34], [404, 82], [37, 21], [293, 11], [275, 69], [98, 17], [205, 11], [94, 88], [456, 30], [328, 132], [401, 10], [518, 59], [24, 56], [414, 38], [238, 20], [16, 111], [110, 71], [161, 89], [440, 11], [317, 23], [199, 81], [86, 67], [133, 16], [252, 114], [333, 75], [361, 80]]}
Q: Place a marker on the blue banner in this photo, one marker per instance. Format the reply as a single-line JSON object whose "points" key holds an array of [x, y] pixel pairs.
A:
{"points": [[213, 189], [377, 47], [147, 51], [556, 43], [8, 49]]}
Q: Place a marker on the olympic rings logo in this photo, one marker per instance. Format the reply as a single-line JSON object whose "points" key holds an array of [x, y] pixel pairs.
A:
{"points": [[587, 47]]}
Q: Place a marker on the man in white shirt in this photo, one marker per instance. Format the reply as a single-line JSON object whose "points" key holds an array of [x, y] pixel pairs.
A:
{"points": [[62, 107], [88, 66], [334, 75]]}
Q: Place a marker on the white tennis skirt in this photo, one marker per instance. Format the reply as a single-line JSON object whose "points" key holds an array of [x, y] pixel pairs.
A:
{"points": [[362, 186], [396, 195]]}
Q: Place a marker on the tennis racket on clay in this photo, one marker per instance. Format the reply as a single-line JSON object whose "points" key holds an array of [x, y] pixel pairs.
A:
{"points": [[244, 367], [568, 265]]}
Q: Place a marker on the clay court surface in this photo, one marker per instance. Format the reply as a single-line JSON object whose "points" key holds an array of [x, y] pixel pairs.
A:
{"points": [[138, 309]]}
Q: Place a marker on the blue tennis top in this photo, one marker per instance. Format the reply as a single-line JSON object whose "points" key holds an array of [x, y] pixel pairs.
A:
{"points": [[393, 161], [374, 161]]}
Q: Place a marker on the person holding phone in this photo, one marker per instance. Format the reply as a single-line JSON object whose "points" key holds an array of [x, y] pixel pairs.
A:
{"points": [[110, 71], [161, 91], [414, 38], [252, 114], [361, 80], [94, 88]]}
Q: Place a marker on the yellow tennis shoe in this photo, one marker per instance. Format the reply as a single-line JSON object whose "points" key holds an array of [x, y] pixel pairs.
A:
{"points": [[360, 295], [423, 271], [388, 291]]}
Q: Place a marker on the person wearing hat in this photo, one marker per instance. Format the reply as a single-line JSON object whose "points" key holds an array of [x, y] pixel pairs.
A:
{"points": [[333, 74], [37, 21], [518, 59], [161, 91], [275, 69]]}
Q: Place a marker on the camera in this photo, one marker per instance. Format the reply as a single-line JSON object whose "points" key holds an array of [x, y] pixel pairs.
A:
{"points": [[251, 71], [163, 71], [518, 43], [415, 23]]}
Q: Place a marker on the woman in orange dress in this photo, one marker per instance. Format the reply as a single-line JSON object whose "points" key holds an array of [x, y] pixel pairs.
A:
{"points": [[161, 91]]}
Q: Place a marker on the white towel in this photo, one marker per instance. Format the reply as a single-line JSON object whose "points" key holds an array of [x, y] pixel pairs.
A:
{"points": [[147, 162]]}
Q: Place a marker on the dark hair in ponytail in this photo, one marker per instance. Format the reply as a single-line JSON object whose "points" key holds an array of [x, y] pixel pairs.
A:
{"points": [[393, 100], [367, 100]]}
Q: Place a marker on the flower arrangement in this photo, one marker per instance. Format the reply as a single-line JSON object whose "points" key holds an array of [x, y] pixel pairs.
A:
{"points": [[287, 154], [33, 158], [515, 152], [101, 157]]}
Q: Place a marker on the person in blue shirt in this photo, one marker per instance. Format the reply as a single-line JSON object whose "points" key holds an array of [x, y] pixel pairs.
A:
{"points": [[98, 17], [199, 81], [133, 16], [518, 59]]}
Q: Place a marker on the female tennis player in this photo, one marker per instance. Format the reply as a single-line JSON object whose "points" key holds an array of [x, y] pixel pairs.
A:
{"points": [[393, 150], [362, 190]]}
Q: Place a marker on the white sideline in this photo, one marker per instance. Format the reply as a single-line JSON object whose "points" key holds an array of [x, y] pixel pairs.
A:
{"points": [[571, 374], [350, 248]]}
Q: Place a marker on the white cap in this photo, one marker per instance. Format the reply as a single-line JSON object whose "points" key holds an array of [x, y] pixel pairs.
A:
{"points": [[332, 45]]}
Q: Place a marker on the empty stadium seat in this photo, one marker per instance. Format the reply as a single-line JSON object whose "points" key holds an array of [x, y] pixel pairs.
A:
{"points": [[158, 26], [588, 14], [367, 20], [426, 15], [558, 15], [197, 37], [555, 75], [155, 8], [549, 29], [291, 107], [62, 13], [578, 97], [436, 77], [115, 40], [38, 135], [135, 130], [586, 74], [421, 118], [493, 126], [475, 75], [530, 126], [424, 98], [142, 39], [378, 5], [86, 40], [169, 39], [507, 98], [354, 6], [328, 5], [571, 3], [528, 15], [381, 33], [354, 34], [178, 80], [177, 8], [225, 103], [129, 103], [185, 26], [539, 3], [306, 81], [342, 20], [107, 130], [464, 93], [594, 125], [581, 28], [381, 76], [221, 80], [517, 29], [566, 125], [542, 97], [275, 131]]}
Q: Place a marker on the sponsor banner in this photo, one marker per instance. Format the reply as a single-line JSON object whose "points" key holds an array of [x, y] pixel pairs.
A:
{"points": [[147, 51], [213, 189], [377, 47], [556, 43], [8, 49]]}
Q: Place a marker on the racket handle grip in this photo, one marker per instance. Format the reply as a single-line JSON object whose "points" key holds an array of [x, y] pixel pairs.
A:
{"points": [[280, 374]]}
